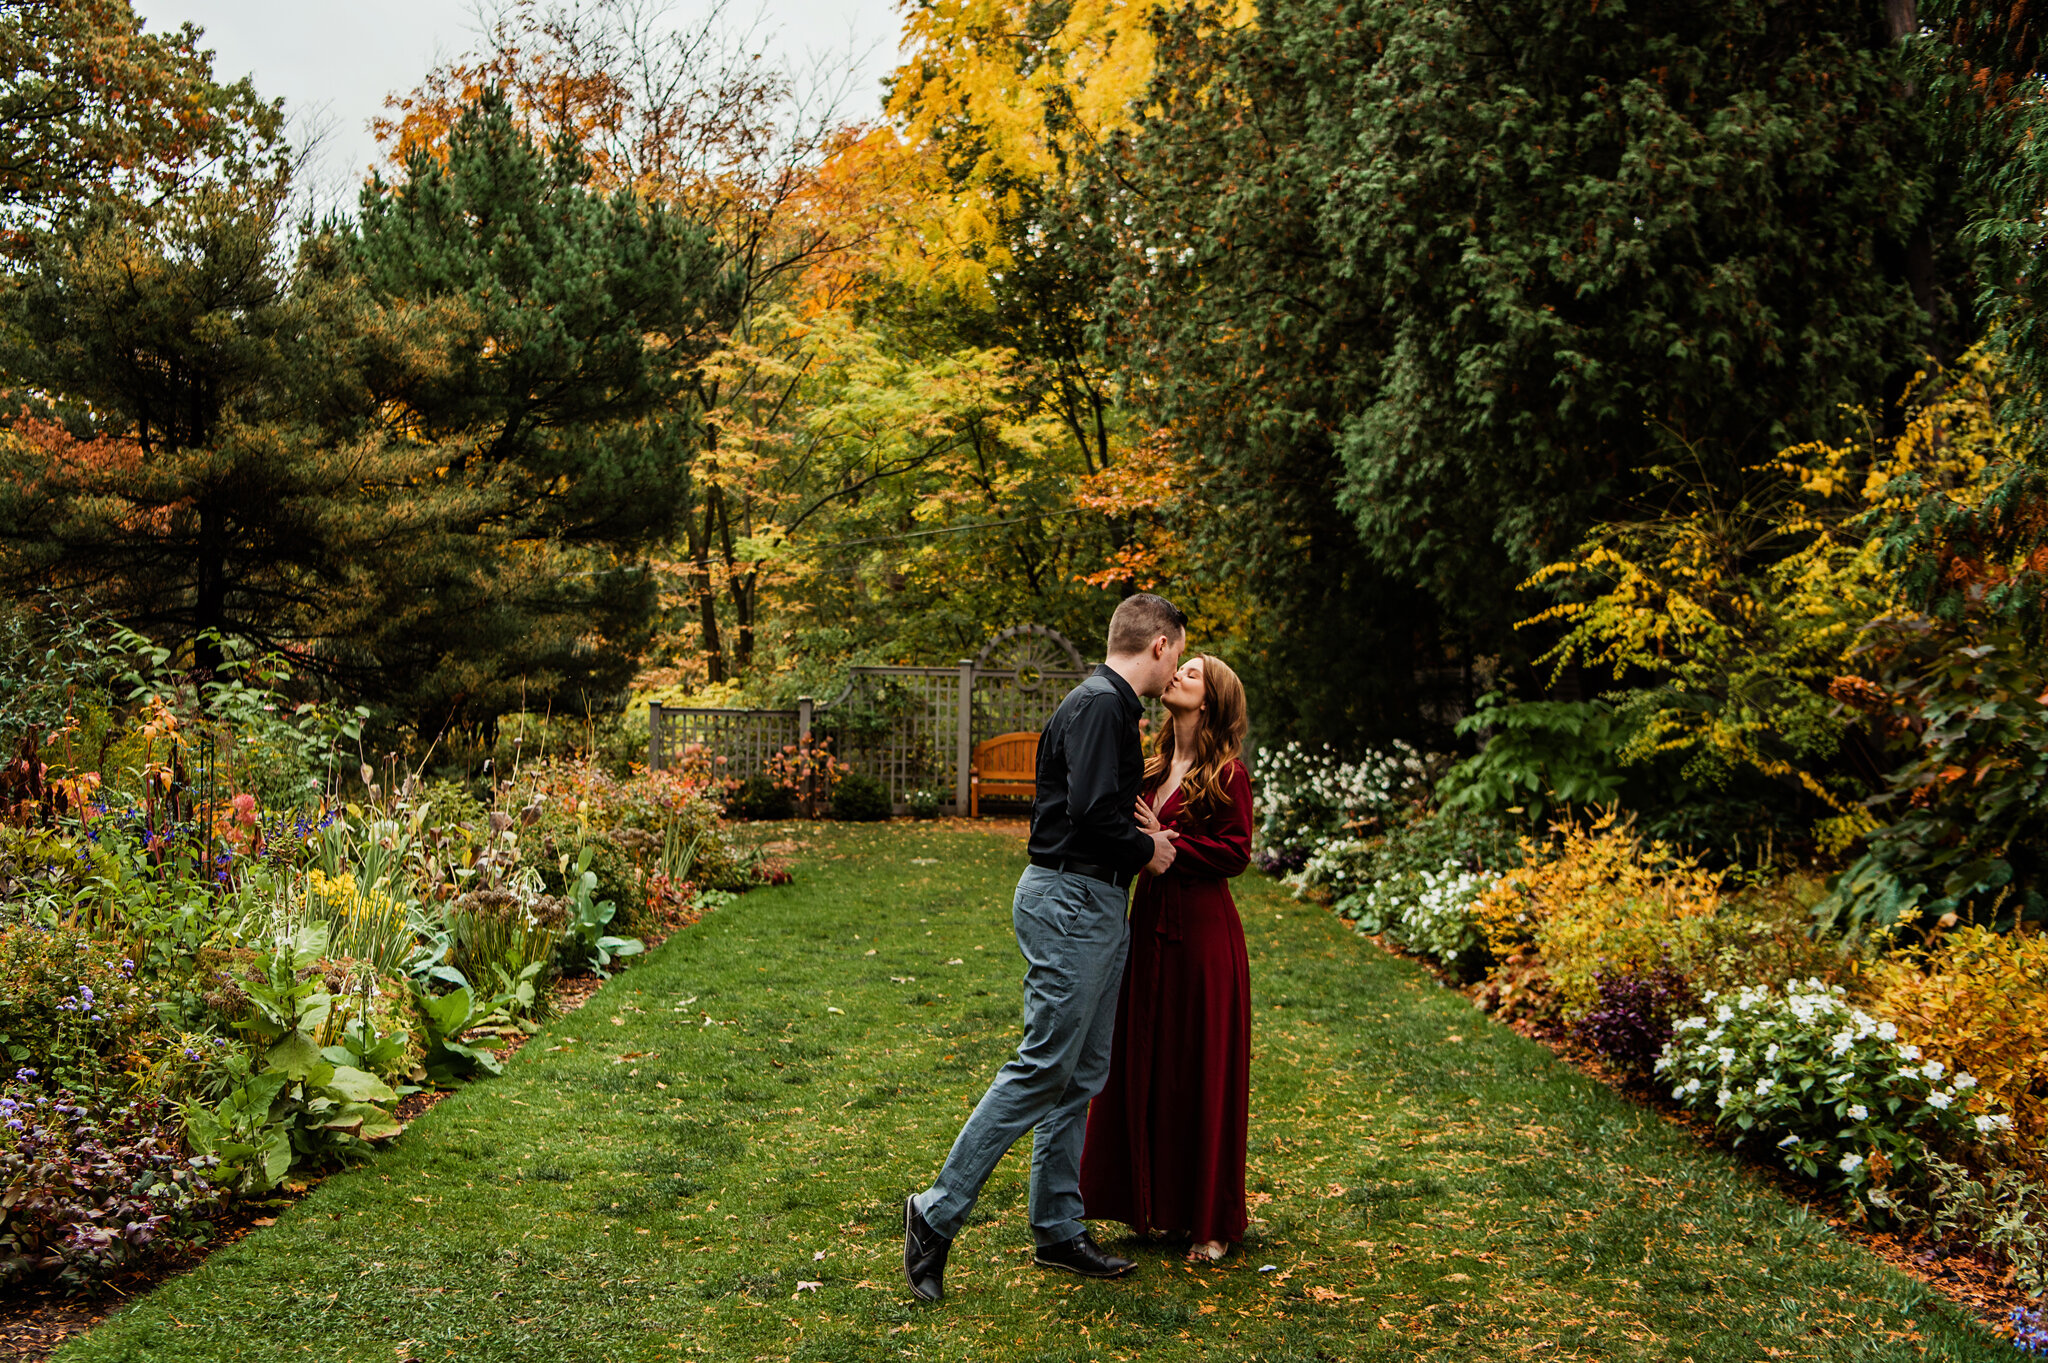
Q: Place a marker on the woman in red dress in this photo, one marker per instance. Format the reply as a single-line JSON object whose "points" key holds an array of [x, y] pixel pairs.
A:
{"points": [[1166, 1135]]}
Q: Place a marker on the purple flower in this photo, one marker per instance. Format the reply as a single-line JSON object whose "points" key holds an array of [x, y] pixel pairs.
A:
{"points": [[191, 1054], [24, 1074], [14, 1124], [85, 992]]}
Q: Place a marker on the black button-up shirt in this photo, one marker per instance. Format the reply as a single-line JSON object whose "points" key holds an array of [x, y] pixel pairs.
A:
{"points": [[1090, 765]]}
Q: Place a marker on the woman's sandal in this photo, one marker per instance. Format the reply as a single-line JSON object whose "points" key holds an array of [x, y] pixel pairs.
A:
{"points": [[1208, 1252]]}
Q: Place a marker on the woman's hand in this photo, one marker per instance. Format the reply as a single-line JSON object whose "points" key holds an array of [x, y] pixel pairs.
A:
{"points": [[1148, 817]]}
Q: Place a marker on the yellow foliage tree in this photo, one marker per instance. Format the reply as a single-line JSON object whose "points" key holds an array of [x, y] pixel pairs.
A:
{"points": [[1747, 607]]}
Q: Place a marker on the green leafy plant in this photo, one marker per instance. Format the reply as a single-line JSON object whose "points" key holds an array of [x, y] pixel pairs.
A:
{"points": [[1968, 830], [448, 1059], [2001, 1210], [585, 941], [860, 798], [297, 1102], [1538, 754]]}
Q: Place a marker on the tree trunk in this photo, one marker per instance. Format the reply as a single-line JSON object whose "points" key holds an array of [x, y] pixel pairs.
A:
{"points": [[209, 610]]}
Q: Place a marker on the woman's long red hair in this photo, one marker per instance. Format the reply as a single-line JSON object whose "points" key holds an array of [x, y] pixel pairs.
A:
{"points": [[1218, 742]]}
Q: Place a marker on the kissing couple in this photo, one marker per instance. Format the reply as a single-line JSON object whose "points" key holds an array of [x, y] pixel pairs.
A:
{"points": [[1140, 1006]]}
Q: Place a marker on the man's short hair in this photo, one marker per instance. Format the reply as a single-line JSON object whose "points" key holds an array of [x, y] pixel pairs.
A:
{"points": [[1142, 618]]}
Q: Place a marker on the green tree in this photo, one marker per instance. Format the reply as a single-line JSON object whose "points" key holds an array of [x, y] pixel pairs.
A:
{"points": [[1467, 271], [189, 449], [570, 330]]}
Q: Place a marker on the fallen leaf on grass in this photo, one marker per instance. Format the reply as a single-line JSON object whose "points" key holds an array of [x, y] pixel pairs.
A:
{"points": [[840, 1011], [805, 1287]]}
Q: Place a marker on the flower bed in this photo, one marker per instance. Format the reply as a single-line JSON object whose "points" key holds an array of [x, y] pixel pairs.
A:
{"points": [[1906, 1085], [207, 992]]}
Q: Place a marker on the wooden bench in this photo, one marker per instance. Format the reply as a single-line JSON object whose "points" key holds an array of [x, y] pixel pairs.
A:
{"points": [[1005, 765]]}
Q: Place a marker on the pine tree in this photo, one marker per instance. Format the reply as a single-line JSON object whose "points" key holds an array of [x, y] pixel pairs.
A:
{"points": [[190, 451], [569, 327]]}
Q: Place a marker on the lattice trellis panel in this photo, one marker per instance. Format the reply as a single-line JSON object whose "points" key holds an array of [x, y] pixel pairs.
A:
{"points": [[1022, 699], [901, 725], [918, 751], [746, 739]]}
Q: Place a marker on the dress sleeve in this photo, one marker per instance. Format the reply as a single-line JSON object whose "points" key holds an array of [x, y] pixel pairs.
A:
{"points": [[1222, 844]]}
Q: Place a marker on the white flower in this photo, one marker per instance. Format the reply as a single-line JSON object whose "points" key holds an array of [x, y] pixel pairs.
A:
{"points": [[1843, 1041], [1789, 1140], [1771, 1053], [1932, 1069], [1678, 1094], [1724, 1014], [1965, 1081], [1908, 1052], [1851, 1163], [1692, 1086], [1878, 1198], [1887, 1032], [1721, 1098], [1857, 1112], [1714, 1035], [1939, 1101], [1985, 1126], [1726, 1055], [1764, 1086]]}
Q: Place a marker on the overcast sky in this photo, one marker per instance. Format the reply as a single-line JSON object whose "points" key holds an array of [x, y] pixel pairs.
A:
{"points": [[335, 63]]}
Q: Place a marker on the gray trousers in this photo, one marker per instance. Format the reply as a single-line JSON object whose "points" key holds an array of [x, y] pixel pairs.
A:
{"points": [[1071, 930]]}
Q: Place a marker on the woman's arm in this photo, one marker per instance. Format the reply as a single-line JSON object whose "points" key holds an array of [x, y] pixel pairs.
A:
{"points": [[1222, 844]]}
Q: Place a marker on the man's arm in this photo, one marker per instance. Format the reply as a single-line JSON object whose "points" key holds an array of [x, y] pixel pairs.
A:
{"points": [[1093, 739]]}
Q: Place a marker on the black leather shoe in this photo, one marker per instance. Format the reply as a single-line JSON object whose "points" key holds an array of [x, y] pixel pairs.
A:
{"points": [[924, 1255], [1083, 1256]]}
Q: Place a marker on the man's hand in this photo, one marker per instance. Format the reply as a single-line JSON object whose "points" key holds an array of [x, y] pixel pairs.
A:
{"points": [[1162, 853], [1148, 817]]}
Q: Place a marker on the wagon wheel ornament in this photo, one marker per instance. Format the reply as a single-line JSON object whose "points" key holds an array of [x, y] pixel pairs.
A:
{"points": [[1030, 651]]}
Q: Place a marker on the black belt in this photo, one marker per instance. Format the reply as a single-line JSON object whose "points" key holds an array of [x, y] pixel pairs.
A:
{"points": [[1120, 879]]}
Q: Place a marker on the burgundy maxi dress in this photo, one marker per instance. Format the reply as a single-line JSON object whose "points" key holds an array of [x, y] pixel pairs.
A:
{"points": [[1166, 1135]]}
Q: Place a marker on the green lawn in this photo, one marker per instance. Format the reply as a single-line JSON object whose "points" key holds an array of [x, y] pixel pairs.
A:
{"points": [[666, 1173]]}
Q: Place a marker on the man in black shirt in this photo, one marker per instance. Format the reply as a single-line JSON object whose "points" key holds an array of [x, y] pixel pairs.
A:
{"points": [[1086, 848]]}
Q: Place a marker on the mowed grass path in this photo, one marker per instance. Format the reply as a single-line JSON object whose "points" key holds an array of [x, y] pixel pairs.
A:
{"points": [[707, 1162]]}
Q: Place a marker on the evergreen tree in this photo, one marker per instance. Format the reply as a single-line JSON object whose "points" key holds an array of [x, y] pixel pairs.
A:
{"points": [[570, 326], [188, 448]]}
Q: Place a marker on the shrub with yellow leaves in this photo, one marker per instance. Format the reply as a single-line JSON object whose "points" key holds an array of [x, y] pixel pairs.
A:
{"points": [[1598, 898], [1978, 1000]]}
